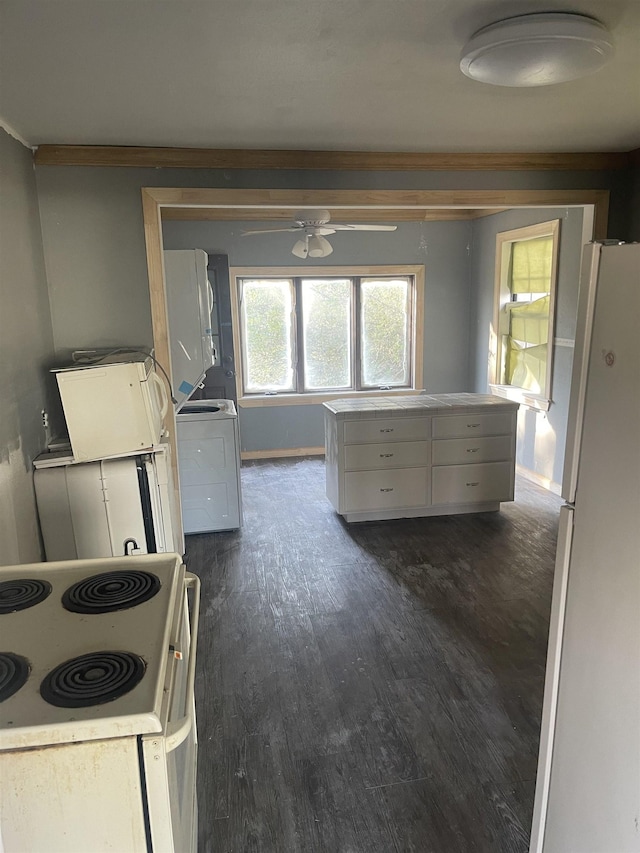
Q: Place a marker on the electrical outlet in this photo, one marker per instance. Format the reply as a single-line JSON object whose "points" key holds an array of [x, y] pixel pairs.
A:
{"points": [[45, 418]]}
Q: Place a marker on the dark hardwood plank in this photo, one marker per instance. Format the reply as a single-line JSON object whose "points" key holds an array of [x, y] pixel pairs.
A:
{"points": [[370, 687]]}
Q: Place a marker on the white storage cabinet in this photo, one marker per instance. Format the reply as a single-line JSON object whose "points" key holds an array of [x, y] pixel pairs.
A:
{"points": [[416, 456], [209, 466]]}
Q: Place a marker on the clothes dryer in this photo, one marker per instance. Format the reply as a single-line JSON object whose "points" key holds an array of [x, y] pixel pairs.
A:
{"points": [[209, 466]]}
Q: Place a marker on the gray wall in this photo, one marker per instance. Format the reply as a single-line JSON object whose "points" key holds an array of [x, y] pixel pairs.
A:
{"points": [[443, 249], [26, 348], [94, 239], [541, 435]]}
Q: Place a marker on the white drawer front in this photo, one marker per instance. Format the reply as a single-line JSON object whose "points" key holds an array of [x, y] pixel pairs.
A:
{"points": [[385, 489], [456, 451], [386, 429], [460, 426], [400, 454], [461, 484]]}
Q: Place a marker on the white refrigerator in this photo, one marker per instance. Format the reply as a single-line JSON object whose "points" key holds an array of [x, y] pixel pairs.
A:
{"points": [[587, 796]]}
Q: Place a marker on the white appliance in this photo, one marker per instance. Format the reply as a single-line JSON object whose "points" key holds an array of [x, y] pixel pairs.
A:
{"points": [[113, 404], [191, 320], [98, 735], [209, 466], [588, 786], [107, 508]]}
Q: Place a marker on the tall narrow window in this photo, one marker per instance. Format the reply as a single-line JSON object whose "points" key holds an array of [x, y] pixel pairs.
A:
{"points": [[327, 333], [267, 344], [385, 332], [526, 261]]}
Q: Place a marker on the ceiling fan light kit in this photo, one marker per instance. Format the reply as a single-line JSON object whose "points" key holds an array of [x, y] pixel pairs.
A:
{"points": [[314, 226], [539, 49]]}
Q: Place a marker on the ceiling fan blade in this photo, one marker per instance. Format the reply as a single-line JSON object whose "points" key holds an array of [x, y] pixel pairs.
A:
{"points": [[364, 227], [269, 231], [322, 231]]}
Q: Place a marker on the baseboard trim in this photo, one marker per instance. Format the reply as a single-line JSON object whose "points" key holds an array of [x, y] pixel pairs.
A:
{"points": [[539, 480], [278, 453]]}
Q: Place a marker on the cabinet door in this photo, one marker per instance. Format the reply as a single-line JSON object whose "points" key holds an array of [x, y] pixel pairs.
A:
{"points": [[371, 490], [463, 484], [208, 475]]}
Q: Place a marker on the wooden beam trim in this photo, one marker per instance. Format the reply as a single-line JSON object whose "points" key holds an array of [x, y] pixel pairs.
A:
{"points": [[295, 199], [366, 214], [370, 161]]}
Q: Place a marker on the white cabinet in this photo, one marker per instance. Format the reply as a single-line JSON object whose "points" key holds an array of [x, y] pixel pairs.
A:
{"points": [[417, 456], [209, 466]]}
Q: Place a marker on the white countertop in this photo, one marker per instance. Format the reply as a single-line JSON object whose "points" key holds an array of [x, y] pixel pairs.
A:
{"points": [[410, 406]]}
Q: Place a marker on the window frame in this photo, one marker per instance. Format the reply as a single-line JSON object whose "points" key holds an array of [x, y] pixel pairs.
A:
{"points": [[503, 297], [416, 332]]}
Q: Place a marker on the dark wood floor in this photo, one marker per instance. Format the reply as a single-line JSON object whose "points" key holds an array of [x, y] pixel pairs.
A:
{"points": [[373, 687]]}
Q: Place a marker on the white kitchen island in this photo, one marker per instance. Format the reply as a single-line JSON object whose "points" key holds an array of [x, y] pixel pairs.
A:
{"points": [[403, 457]]}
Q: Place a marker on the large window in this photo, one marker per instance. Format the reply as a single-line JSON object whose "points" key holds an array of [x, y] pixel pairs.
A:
{"points": [[327, 330], [526, 263]]}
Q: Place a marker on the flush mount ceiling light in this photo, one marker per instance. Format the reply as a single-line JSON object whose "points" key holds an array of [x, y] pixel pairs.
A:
{"points": [[537, 50]]}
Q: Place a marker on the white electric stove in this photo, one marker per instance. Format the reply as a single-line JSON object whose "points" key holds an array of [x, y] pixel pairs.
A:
{"points": [[97, 714]]}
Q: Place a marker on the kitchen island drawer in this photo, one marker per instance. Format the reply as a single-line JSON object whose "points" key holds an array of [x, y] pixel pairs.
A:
{"points": [[386, 429], [463, 484], [401, 454], [461, 426], [375, 490], [457, 451]]}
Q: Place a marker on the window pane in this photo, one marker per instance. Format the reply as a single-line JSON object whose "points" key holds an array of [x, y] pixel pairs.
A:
{"points": [[385, 330], [526, 345], [531, 263], [267, 335], [326, 331]]}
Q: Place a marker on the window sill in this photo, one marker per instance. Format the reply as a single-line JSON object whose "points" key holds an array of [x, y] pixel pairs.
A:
{"points": [[519, 395], [263, 400]]}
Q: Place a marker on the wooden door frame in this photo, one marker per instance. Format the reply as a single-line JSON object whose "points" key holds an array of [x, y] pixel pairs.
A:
{"points": [[154, 199]]}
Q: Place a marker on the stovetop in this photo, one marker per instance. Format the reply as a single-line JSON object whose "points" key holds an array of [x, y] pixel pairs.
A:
{"points": [[85, 648]]}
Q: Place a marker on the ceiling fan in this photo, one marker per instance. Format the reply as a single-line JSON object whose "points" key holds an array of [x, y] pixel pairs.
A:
{"points": [[313, 227]]}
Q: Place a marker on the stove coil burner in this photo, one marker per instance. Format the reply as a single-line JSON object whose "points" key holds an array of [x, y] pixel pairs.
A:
{"points": [[111, 591], [92, 679], [21, 593], [14, 671]]}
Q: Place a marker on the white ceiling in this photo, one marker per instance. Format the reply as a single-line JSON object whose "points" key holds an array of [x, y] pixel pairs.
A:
{"points": [[299, 74]]}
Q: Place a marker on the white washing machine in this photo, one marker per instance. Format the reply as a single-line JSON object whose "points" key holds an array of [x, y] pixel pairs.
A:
{"points": [[209, 466]]}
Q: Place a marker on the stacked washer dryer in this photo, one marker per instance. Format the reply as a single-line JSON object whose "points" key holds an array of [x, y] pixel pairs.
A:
{"points": [[209, 465]]}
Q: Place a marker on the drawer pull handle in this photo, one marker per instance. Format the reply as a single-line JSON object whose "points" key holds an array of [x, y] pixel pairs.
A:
{"points": [[386, 490], [387, 430], [472, 426], [473, 484], [386, 455], [473, 449]]}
